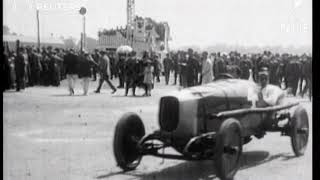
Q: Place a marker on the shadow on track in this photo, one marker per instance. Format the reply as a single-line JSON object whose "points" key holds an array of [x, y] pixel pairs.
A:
{"points": [[131, 96], [200, 169]]}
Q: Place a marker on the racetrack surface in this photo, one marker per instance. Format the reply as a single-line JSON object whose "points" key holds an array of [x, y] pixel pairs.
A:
{"points": [[49, 135]]}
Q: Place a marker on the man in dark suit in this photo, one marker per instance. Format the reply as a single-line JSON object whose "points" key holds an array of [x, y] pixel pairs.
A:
{"points": [[273, 66], [219, 66], [167, 63], [35, 67], [121, 70], [183, 73], [306, 76], [156, 66], [293, 72], [175, 67], [245, 66], [131, 73], [192, 69], [19, 64], [95, 57], [70, 63], [6, 69], [84, 70]]}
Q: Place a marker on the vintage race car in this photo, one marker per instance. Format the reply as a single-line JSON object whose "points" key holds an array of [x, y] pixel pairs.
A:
{"points": [[210, 121]]}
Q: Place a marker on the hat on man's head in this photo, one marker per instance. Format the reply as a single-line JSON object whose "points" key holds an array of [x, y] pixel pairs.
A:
{"points": [[204, 53], [133, 53], [148, 61]]}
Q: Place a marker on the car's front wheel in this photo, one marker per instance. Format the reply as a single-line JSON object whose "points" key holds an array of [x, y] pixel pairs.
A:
{"points": [[129, 130], [228, 149], [299, 131]]}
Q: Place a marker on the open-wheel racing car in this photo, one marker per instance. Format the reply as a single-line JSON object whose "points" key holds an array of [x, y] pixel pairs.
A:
{"points": [[206, 122]]}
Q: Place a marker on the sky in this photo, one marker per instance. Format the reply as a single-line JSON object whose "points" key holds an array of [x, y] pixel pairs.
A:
{"points": [[192, 22]]}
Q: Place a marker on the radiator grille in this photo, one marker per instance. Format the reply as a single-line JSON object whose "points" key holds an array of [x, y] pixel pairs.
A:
{"points": [[169, 113]]}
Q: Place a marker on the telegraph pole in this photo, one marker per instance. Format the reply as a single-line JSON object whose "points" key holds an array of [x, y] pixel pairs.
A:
{"points": [[38, 30], [83, 11], [81, 41], [84, 32]]}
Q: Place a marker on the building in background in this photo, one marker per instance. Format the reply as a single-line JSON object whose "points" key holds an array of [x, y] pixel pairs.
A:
{"points": [[142, 34], [32, 41], [91, 44]]}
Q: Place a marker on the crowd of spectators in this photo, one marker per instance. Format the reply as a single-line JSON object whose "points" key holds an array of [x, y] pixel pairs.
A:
{"points": [[29, 66]]}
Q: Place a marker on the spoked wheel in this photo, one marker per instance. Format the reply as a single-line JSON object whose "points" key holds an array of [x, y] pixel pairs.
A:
{"points": [[229, 149], [299, 131], [129, 131]]}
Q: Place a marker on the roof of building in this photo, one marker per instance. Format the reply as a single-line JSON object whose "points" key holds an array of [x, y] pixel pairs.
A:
{"points": [[30, 39]]}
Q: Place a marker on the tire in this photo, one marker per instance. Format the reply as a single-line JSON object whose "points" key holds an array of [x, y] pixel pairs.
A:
{"points": [[229, 134], [129, 130], [299, 131]]}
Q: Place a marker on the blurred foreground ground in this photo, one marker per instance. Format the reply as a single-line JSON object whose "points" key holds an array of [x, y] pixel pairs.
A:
{"points": [[50, 135]]}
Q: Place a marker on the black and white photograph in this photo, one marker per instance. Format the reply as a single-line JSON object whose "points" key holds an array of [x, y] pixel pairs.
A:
{"points": [[157, 89]]}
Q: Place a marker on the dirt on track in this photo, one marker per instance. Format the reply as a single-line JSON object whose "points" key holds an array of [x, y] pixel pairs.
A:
{"points": [[50, 135]]}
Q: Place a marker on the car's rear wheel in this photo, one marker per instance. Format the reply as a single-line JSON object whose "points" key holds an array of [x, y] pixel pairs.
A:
{"points": [[129, 130], [229, 149], [299, 131]]}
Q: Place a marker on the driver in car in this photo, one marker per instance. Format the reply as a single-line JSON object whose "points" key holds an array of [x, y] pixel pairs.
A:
{"points": [[268, 94]]}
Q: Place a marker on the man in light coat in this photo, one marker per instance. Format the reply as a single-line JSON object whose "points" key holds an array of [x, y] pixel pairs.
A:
{"points": [[207, 71], [268, 95], [105, 73]]}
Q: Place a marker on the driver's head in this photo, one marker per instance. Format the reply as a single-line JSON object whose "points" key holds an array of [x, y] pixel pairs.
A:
{"points": [[264, 77], [190, 52], [205, 55]]}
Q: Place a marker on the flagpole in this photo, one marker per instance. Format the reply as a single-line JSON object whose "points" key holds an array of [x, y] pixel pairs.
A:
{"points": [[84, 33], [83, 11], [38, 30]]}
